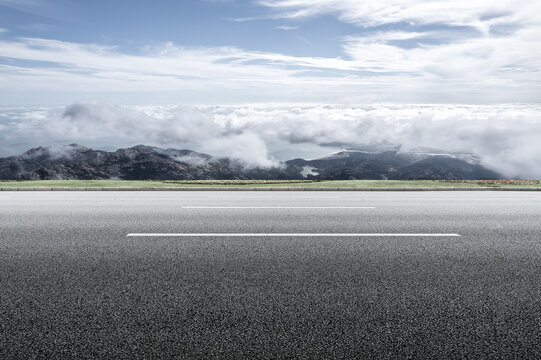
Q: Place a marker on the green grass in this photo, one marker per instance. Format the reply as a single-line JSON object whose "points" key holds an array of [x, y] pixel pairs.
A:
{"points": [[320, 184]]}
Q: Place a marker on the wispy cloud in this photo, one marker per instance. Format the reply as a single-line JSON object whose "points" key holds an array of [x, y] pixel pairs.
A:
{"points": [[446, 54], [37, 27], [441, 51], [479, 70], [43, 8], [25, 5], [286, 28], [480, 13]]}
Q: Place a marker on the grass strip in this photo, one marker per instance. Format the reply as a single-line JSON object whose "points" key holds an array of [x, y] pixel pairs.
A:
{"points": [[266, 183], [238, 182]]}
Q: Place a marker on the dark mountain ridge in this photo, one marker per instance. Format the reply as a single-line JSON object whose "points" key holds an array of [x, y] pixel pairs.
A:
{"points": [[152, 163]]}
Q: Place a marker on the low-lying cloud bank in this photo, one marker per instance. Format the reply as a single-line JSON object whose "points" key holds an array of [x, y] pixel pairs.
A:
{"points": [[505, 137]]}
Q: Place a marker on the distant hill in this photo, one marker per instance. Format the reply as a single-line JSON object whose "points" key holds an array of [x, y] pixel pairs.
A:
{"points": [[392, 165], [443, 167], [152, 163], [346, 165]]}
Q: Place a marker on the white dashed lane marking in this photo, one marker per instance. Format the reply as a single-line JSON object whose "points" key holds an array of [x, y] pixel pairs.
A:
{"points": [[278, 207], [289, 235]]}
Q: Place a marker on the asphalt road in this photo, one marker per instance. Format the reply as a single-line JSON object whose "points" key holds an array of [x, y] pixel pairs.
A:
{"points": [[74, 285]]}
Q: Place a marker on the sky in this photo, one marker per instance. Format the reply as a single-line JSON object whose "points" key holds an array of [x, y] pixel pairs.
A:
{"points": [[270, 80], [237, 51]]}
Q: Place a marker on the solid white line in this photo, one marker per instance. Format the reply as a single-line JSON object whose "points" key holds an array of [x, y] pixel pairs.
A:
{"points": [[278, 207], [288, 235]]}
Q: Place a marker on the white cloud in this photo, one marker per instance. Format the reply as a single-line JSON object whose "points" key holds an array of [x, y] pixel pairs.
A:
{"points": [[81, 67], [506, 137], [499, 61], [483, 70], [501, 55], [479, 13], [285, 27], [471, 52]]}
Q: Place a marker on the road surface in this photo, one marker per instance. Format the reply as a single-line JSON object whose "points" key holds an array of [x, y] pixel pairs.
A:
{"points": [[305, 275]]}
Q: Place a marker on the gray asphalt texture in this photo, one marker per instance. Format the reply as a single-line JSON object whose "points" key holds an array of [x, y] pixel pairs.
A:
{"points": [[72, 285]]}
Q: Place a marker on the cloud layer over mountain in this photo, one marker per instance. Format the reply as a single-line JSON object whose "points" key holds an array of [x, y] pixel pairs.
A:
{"points": [[505, 137]]}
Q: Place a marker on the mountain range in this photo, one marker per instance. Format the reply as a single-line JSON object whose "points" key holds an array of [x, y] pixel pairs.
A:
{"points": [[152, 163]]}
